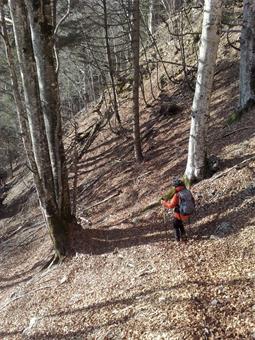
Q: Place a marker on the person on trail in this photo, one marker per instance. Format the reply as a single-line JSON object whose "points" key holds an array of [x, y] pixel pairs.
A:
{"points": [[183, 204]]}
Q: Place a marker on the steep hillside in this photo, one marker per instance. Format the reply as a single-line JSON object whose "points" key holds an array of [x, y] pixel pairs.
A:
{"points": [[129, 279]]}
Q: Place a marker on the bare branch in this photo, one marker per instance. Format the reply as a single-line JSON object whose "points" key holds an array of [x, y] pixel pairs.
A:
{"points": [[7, 20], [237, 130], [64, 17], [103, 201], [56, 30]]}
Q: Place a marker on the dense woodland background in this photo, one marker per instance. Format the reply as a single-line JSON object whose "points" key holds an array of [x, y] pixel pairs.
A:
{"points": [[101, 102]]}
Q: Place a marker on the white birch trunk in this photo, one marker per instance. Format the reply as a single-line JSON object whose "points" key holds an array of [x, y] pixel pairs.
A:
{"points": [[150, 16], [197, 151], [247, 60]]}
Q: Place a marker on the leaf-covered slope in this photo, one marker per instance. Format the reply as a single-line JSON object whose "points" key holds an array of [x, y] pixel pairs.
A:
{"points": [[129, 279]]}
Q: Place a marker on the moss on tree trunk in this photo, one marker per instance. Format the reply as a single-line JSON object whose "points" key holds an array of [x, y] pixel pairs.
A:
{"points": [[59, 230]]}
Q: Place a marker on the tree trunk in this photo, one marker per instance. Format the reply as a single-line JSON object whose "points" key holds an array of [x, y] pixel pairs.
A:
{"points": [[150, 16], [18, 100], [31, 91], [75, 168], [136, 80], [197, 152], [42, 31], [92, 86], [247, 58], [57, 216], [110, 63], [146, 10]]}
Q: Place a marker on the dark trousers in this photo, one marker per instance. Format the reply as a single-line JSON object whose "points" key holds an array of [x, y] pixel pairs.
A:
{"points": [[179, 229]]}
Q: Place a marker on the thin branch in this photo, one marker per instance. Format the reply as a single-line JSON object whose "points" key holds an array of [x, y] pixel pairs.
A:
{"points": [[234, 131], [230, 43], [64, 17], [177, 34], [169, 62], [7, 20], [230, 31], [56, 30], [104, 200]]}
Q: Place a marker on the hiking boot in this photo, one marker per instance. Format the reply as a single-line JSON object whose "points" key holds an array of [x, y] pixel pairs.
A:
{"points": [[184, 238]]}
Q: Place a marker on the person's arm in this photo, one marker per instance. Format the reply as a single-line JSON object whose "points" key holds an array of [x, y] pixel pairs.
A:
{"points": [[172, 204]]}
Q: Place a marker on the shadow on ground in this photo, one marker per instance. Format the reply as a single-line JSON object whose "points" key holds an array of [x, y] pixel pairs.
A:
{"points": [[200, 302]]}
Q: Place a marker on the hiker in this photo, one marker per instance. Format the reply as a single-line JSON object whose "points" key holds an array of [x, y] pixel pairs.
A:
{"points": [[183, 204]]}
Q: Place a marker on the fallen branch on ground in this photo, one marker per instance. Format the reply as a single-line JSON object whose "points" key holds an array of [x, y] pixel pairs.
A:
{"points": [[13, 233], [234, 131], [94, 131], [6, 239], [103, 201], [21, 296], [237, 166]]}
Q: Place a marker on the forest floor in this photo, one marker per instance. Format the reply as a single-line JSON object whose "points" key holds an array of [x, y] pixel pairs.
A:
{"points": [[129, 279]]}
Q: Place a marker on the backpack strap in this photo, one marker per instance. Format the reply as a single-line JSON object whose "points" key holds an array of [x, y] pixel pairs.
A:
{"points": [[177, 208]]}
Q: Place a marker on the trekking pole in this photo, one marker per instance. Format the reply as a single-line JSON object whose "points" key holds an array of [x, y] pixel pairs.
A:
{"points": [[165, 219], [188, 225]]}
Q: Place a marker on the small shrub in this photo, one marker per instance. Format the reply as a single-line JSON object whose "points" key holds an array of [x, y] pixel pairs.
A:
{"points": [[234, 117]]}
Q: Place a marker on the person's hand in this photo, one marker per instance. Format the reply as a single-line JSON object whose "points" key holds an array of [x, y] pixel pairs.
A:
{"points": [[163, 202]]}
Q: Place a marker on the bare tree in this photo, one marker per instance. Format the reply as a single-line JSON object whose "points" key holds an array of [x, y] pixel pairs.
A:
{"points": [[21, 112], [110, 62], [247, 56], [35, 51], [136, 79], [197, 153]]}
